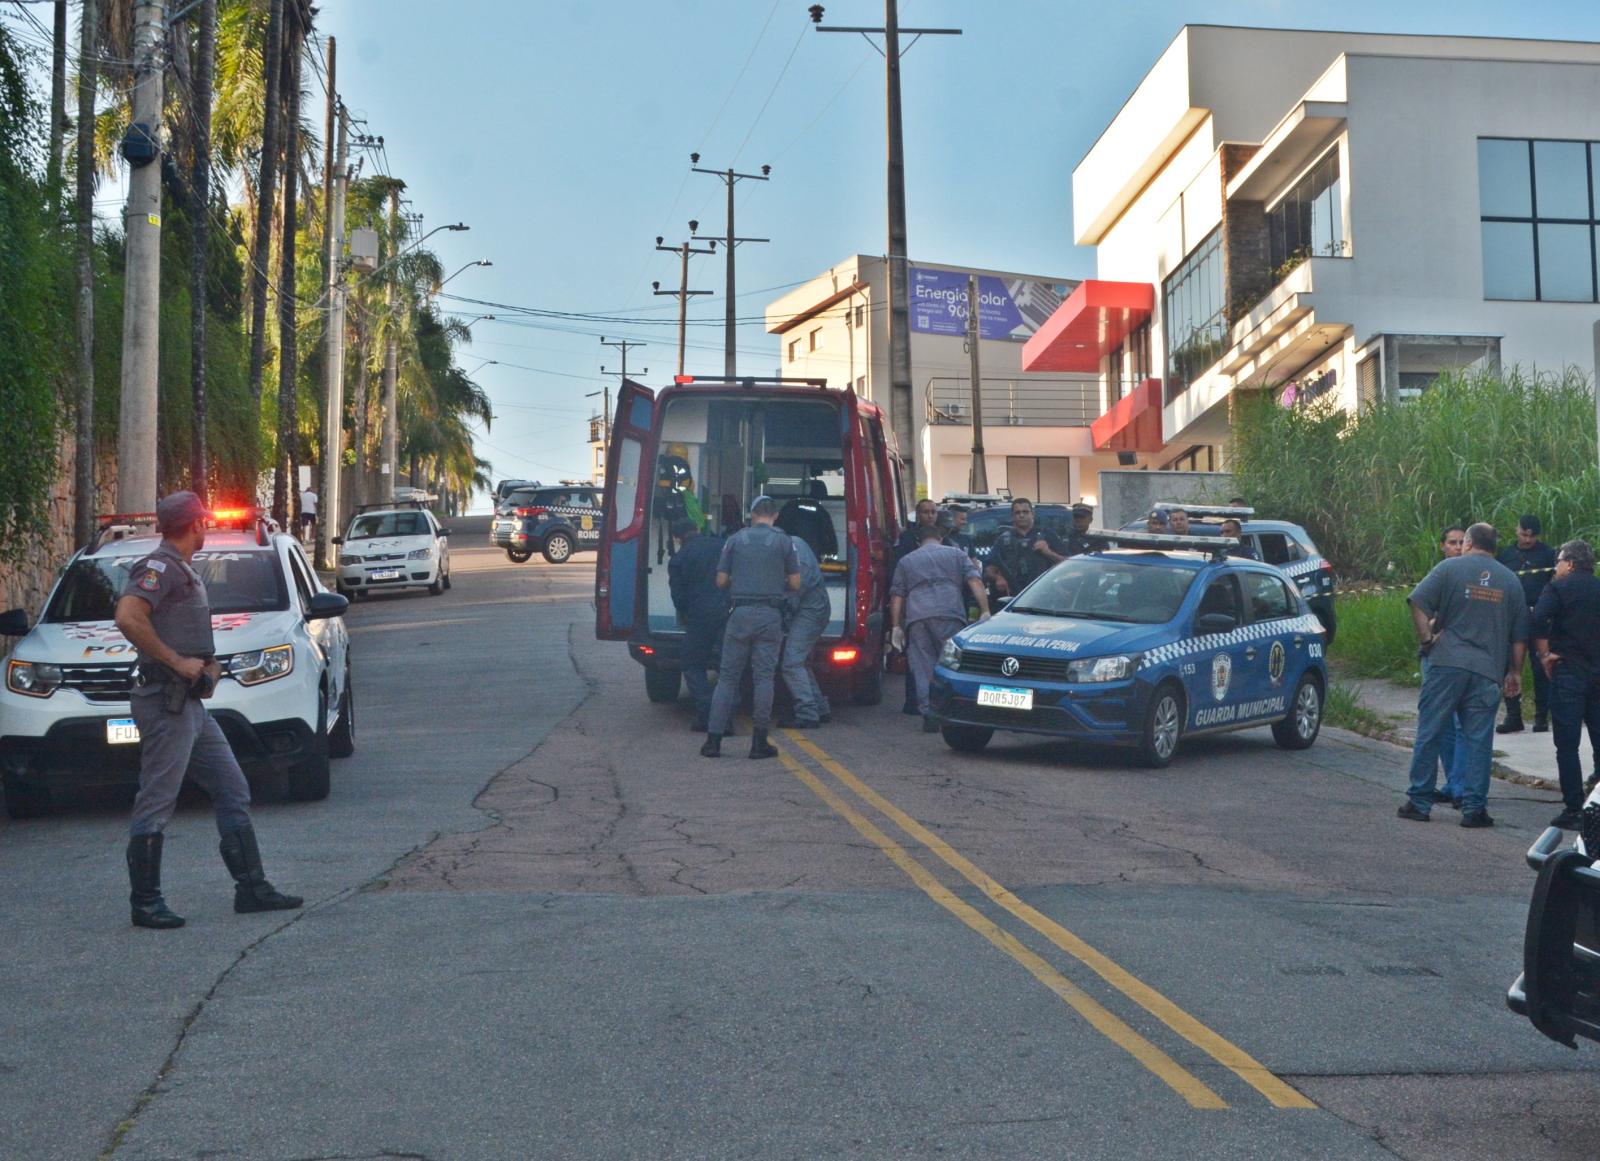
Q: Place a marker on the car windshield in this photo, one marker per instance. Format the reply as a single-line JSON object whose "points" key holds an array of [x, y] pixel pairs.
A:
{"points": [[375, 524], [243, 581], [1098, 588]]}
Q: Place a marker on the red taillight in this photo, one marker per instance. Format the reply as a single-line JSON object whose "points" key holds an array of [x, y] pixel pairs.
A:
{"points": [[681, 380], [532, 511], [844, 654], [646, 651]]}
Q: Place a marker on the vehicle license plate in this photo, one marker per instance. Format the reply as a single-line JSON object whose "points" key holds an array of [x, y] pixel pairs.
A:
{"points": [[1005, 696], [121, 732], [386, 574]]}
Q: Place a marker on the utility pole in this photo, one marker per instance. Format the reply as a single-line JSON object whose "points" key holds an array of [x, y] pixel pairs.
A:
{"points": [[199, 242], [83, 474], [623, 345], [261, 244], [141, 311], [605, 420], [683, 294], [285, 494], [389, 471], [328, 514], [729, 357], [898, 268], [978, 478]]}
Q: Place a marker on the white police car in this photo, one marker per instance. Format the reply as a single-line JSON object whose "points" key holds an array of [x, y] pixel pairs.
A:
{"points": [[393, 547], [285, 700], [1140, 645]]}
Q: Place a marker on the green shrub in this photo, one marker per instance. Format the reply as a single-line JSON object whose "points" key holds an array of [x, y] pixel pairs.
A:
{"points": [[1375, 637], [1375, 489]]}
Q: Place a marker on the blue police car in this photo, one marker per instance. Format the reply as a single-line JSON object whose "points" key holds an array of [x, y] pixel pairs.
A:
{"points": [[1141, 645]]}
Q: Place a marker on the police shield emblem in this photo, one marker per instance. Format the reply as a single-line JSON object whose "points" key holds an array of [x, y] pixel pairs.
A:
{"points": [[1221, 675], [1275, 662]]}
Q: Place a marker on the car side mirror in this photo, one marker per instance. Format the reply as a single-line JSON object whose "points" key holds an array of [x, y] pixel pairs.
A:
{"points": [[1208, 623], [14, 623], [444, 532], [325, 605], [338, 540], [1001, 602]]}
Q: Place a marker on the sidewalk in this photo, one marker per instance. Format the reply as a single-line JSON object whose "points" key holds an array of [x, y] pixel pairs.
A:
{"points": [[1528, 758]]}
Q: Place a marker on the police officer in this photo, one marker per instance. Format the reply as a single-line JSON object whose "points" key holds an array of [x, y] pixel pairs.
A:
{"points": [[1080, 541], [1534, 562], [1566, 643], [164, 612], [927, 607], [809, 609], [958, 536], [701, 606], [1231, 529], [1022, 550], [758, 569], [927, 516]]}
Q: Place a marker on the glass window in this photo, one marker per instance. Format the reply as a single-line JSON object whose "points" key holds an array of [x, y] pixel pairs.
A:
{"points": [[1561, 179], [1566, 272], [1277, 548], [1309, 219], [1194, 315], [626, 488], [1508, 260], [815, 338], [794, 349], [376, 524], [1222, 596], [1265, 595], [1539, 219], [1504, 179], [1107, 589]]}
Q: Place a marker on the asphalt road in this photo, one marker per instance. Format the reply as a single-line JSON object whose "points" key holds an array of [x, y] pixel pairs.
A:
{"points": [[541, 926]]}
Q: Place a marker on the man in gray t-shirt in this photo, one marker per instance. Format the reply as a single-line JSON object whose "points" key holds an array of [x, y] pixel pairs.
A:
{"points": [[1472, 625]]}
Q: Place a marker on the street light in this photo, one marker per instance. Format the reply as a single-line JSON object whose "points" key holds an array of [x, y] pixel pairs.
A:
{"points": [[468, 266], [401, 253], [482, 365]]}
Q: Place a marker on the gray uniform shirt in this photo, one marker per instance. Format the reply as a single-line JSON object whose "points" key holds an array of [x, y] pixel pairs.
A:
{"points": [[1478, 611], [811, 595], [180, 612], [760, 560], [933, 581]]}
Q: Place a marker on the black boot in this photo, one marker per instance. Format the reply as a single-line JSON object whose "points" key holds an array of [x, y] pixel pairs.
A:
{"points": [[713, 746], [144, 879], [760, 747], [251, 890], [1513, 722]]}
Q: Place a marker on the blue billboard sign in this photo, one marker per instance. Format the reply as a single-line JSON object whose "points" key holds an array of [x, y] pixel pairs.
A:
{"points": [[1008, 309]]}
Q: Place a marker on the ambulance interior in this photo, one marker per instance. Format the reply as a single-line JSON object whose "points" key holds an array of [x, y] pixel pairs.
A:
{"points": [[717, 454]]}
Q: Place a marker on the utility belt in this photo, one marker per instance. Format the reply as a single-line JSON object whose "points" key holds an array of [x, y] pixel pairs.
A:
{"points": [[175, 691], [767, 602]]}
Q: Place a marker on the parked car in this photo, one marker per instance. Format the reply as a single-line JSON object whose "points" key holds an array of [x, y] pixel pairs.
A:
{"points": [[555, 521], [984, 524], [393, 547], [1559, 987], [285, 701]]}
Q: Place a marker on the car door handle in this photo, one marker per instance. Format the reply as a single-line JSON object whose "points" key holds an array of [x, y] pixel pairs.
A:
{"points": [[1250, 653]]}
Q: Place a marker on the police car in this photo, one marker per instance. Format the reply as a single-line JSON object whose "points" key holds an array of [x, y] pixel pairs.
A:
{"points": [[555, 521], [1140, 645], [1275, 542], [285, 701], [394, 547], [1559, 988]]}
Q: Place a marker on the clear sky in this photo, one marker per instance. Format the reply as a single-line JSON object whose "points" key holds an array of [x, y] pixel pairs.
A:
{"points": [[561, 132]]}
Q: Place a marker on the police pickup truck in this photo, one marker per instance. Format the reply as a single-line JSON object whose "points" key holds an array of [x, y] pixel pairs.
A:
{"points": [[285, 701], [1140, 645]]}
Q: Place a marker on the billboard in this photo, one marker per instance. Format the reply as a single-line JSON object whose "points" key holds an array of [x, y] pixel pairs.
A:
{"points": [[1008, 308]]}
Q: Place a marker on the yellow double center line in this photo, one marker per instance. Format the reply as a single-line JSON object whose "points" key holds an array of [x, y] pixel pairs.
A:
{"points": [[1185, 1083]]}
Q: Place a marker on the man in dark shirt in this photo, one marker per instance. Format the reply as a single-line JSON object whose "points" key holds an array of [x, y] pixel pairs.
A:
{"points": [[1231, 529], [1080, 541], [1534, 562], [806, 518], [1023, 551], [1566, 643], [701, 606]]}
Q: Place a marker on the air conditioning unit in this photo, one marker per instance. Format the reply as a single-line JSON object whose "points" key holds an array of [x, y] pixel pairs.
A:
{"points": [[955, 410], [1014, 420]]}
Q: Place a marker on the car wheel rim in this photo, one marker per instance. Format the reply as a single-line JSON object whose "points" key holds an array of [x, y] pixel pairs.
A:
{"points": [[1165, 733], [559, 549], [1307, 711]]}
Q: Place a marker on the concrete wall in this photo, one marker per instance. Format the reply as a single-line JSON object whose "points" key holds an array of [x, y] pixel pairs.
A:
{"points": [[1127, 495]]}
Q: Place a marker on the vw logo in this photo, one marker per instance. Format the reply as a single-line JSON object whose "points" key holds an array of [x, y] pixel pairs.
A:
{"points": [[1010, 667]]}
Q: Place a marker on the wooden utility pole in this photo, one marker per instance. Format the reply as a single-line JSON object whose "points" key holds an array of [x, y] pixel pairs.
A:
{"points": [[328, 509], [900, 393], [284, 491], [83, 481], [388, 453], [683, 294], [266, 179], [730, 358], [58, 95], [200, 241], [141, 309], [978, 477]]}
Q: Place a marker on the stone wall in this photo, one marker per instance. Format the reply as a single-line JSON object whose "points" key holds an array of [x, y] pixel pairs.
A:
{"points": [[1128, 495], [26, 584]]}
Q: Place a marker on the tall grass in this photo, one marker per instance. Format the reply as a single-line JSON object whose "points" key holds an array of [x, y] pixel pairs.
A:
{"points": [[1375, 489], [1375, 637]]}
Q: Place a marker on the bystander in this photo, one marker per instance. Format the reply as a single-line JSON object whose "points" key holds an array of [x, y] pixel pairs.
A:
{"points": [[1566, 642]]}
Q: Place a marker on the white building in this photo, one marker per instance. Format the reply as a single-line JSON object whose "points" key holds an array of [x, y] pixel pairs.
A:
{"points": [[1035, 426], [1326, 213]]}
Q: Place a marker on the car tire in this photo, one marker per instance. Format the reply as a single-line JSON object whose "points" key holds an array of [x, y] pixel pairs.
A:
{"points": [[558, 548], [1299, 729], [437, 587], [342, 741], [966, 739], [447, 580], [25, 799], [1163, 726], [518, 555], [869, 687], [661, 684], [309, 778]]}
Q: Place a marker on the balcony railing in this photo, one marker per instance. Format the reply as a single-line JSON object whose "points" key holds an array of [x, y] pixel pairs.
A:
{"points": [[597, 429], [1030, 402]]}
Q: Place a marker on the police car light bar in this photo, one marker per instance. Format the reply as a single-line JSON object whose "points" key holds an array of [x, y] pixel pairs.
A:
{"points": [[1216, 511], [1215, 546]]}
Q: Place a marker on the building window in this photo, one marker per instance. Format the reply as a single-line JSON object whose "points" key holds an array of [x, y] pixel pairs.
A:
{"points": [[1308, 222], [1539, 216], [815, 339], [861, 316], [861, 385], [794, 349], [1194, 315]]}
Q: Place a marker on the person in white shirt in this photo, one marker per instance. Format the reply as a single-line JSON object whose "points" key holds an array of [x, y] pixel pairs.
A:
{"points": [[308, 515]]}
